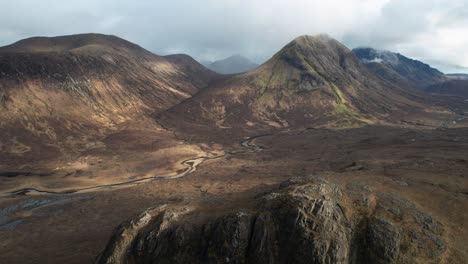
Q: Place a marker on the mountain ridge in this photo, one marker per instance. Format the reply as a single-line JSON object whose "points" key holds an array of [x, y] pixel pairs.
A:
{"points": [[398, 68], [233, 64], [63, 95], [69, 43], [313, 80]]}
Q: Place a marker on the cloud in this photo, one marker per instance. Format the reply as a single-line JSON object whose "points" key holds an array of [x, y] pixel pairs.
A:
{"points": [[212, 29], [429, 30]]}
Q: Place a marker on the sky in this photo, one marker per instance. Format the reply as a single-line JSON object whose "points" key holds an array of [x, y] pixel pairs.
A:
{"points": [[434, 31]]}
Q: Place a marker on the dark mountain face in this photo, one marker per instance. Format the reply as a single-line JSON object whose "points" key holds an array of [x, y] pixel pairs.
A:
{"points": [[66, 89], [232, 65], [455, 87], [398, 68], [311, 81], [457, 76]]}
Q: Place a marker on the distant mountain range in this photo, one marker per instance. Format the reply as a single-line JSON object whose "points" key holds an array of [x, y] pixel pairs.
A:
{"points": [[231, 65], [55, 92], [449, 68], [398, 68], [459, 76], [407, 72]]}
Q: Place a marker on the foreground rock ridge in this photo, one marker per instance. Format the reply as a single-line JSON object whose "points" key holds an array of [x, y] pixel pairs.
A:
{"points": [[307, 220]]}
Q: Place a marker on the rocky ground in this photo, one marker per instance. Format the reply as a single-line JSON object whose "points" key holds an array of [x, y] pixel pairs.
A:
{"points": [[407, 181], [307, 220]]}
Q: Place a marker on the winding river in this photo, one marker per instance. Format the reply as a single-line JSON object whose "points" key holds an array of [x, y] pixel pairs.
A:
{"points": [[190, 163]]}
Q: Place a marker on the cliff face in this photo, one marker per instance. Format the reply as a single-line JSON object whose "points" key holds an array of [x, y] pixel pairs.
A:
{"points": [[308, 220]]}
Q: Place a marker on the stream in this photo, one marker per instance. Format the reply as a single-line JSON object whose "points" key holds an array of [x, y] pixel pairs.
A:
{"points": [[190, 163], [10, 216]]}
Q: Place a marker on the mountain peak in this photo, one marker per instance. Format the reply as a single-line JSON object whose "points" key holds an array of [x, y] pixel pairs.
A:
{"points": [[69, 43], [316, 54], [313, 80], [307, 39], [233, 64], [317, 41], [237, 57], [312, 46]]}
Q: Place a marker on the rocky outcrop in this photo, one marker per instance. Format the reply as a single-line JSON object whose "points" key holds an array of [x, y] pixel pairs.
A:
{"points": [[308, 220]]}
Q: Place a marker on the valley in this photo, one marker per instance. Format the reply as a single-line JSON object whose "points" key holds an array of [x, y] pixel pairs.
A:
{"points": [[388, 160], [191, 165], [112, 154]]}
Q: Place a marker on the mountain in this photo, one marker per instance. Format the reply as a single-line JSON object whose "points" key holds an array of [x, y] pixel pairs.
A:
{"points": [[457, 76], [449, 68], [455, 87], [398, 68], [312, 81], [231, 65], [56, 93]]}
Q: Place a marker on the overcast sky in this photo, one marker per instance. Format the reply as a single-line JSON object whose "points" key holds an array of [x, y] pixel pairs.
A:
{"points": [[435, 31]]}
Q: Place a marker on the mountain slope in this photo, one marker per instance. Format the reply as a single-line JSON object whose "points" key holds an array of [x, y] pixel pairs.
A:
{"points": [[455, 87], [59, 92], [457, 76], [231, 65], [312, 81], [398, 68]]}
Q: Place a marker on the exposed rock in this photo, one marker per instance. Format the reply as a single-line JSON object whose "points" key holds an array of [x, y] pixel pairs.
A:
{"points": [[308, 220], [383, 238]]}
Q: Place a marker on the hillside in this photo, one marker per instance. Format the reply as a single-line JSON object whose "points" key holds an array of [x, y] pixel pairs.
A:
{"points": [[457, 76], [312, 81], [398, 68], [59, 94], [454, 87]]}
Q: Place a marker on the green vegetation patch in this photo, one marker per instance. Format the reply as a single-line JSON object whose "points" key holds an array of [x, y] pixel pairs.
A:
{"points": [[342, 111]]}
